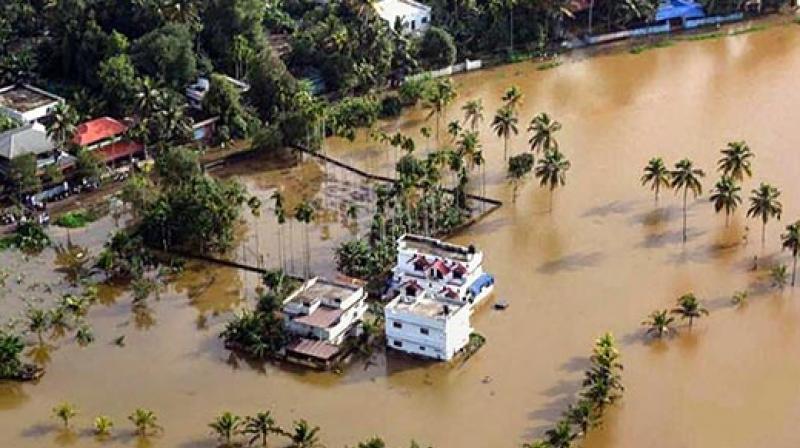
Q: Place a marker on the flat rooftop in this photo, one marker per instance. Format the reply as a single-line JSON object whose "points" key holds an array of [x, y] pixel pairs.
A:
{"points": [[436, 247], [325, 290], [24, 98], [427, 306]]}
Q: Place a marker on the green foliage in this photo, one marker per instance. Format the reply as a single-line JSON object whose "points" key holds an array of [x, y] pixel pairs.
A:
{"points": [[413, 91], [391, 106], [7, 123], [76, 219], [31, 237], [103, 425], [197, 215], [124, 256], [223, 100], [268, 140], [689, 308], [226, 426], [88, 165], [177, 166], [145, 421], [22, 175], [223, 21], [352, 113], [65, 412], [436, 48], [256, 334], [11, 347], [118, 79], [167, 54], [354, 258]]}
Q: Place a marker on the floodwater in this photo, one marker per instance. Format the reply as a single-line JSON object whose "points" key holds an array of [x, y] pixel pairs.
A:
{"points": [[603, 259]]}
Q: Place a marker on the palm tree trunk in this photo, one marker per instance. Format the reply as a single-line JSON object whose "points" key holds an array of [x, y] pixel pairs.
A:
{"points": [[685, 194], [794, 269], [551, 200], [291, 251], [308, 254], [658, 186], [280, 248], [763, 233], [505, 147]]}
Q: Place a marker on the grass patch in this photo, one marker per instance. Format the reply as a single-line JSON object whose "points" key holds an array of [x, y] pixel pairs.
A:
{"points": [[76, 219], [751, 29], [476, 341], [706, 36], [6, 242], [637, 49], [796, 20], [519, 57], [549, 65]]}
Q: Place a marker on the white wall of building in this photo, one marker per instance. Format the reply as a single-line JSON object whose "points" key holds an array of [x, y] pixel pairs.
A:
{"points": [[446, 335]]}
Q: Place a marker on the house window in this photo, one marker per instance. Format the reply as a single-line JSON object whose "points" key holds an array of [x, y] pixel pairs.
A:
{"points": [[413, 25], [422, 348], [398, 343], [457, 275], [424, 20], [423, 330], [397, 324]]}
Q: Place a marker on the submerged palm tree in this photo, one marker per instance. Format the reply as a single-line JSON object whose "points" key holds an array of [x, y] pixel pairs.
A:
{"points": [[764, 204], [689, 308], [561, 435], [64, 412], [791, 242], [504, 124], [144, 420], [304, 213], [304, 435], [656, 175], [582, 415], [226, 425], [687, 178], [735, 161], [779, 275], [725, 195], [103, 425], [543, 130], [63, 126], [473, 113], [259, 427], [659, 323], [552, 170], [513, 98]]}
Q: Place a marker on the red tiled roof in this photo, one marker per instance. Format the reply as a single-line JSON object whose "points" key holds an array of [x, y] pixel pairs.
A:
{"points": [[449, 293], [441, 267], [322, 317], [460, 268], [420, 262], [119, 150], [413, 285], [98, 129], [315, 349]]}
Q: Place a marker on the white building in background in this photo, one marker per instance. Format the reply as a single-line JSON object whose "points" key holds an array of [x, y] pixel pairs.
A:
{"points": [[415, 16], [434, 289], [26, 103], [197, 91], [320, 315]]}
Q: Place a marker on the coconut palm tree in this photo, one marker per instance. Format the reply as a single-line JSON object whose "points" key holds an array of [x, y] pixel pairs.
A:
{"points": [[144, 420], [304, 435], [561, 435], [543, 133], [38, 321], [453, 129], [689, 308], [304, 213], [504, 124], [779, 275], [581, 415], [537, 444], [552, 170], [103, 425], [764, 204], [226, 425], [736, 161], [791, 241], [725, 195], [513, 98], [473, 113], [659, 323], [259, 427], [280, 215], [687, 178], [62, 126], [437, 101], [64, 412], [656, 175]]}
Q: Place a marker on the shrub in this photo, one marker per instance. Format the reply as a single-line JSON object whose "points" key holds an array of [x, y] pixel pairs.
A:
{"points": [[413, 90], [437, 48], [391, 106], [76, 219]]}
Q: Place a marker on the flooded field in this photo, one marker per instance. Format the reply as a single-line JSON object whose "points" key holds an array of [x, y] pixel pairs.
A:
{"points": [[603, 259]]}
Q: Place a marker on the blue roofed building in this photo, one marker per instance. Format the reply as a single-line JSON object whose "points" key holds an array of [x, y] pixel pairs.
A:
{"points": [[678, 11]]}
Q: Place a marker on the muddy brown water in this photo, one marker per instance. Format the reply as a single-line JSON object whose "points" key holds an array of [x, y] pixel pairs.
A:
{"points": [[601, 260]]}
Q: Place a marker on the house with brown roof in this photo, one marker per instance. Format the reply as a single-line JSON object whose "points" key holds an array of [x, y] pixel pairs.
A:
{"points": [[107, 137], [320, 316]]}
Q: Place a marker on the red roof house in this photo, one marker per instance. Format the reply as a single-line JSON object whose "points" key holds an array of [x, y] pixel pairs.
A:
{"points": [[107, 136]]}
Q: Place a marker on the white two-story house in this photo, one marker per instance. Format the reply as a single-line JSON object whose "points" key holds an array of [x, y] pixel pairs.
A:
{"points": [[426, 325], [320, 315], [435, 287]]}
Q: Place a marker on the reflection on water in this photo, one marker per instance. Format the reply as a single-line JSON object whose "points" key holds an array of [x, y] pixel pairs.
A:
{"points": [[604, 259]]}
